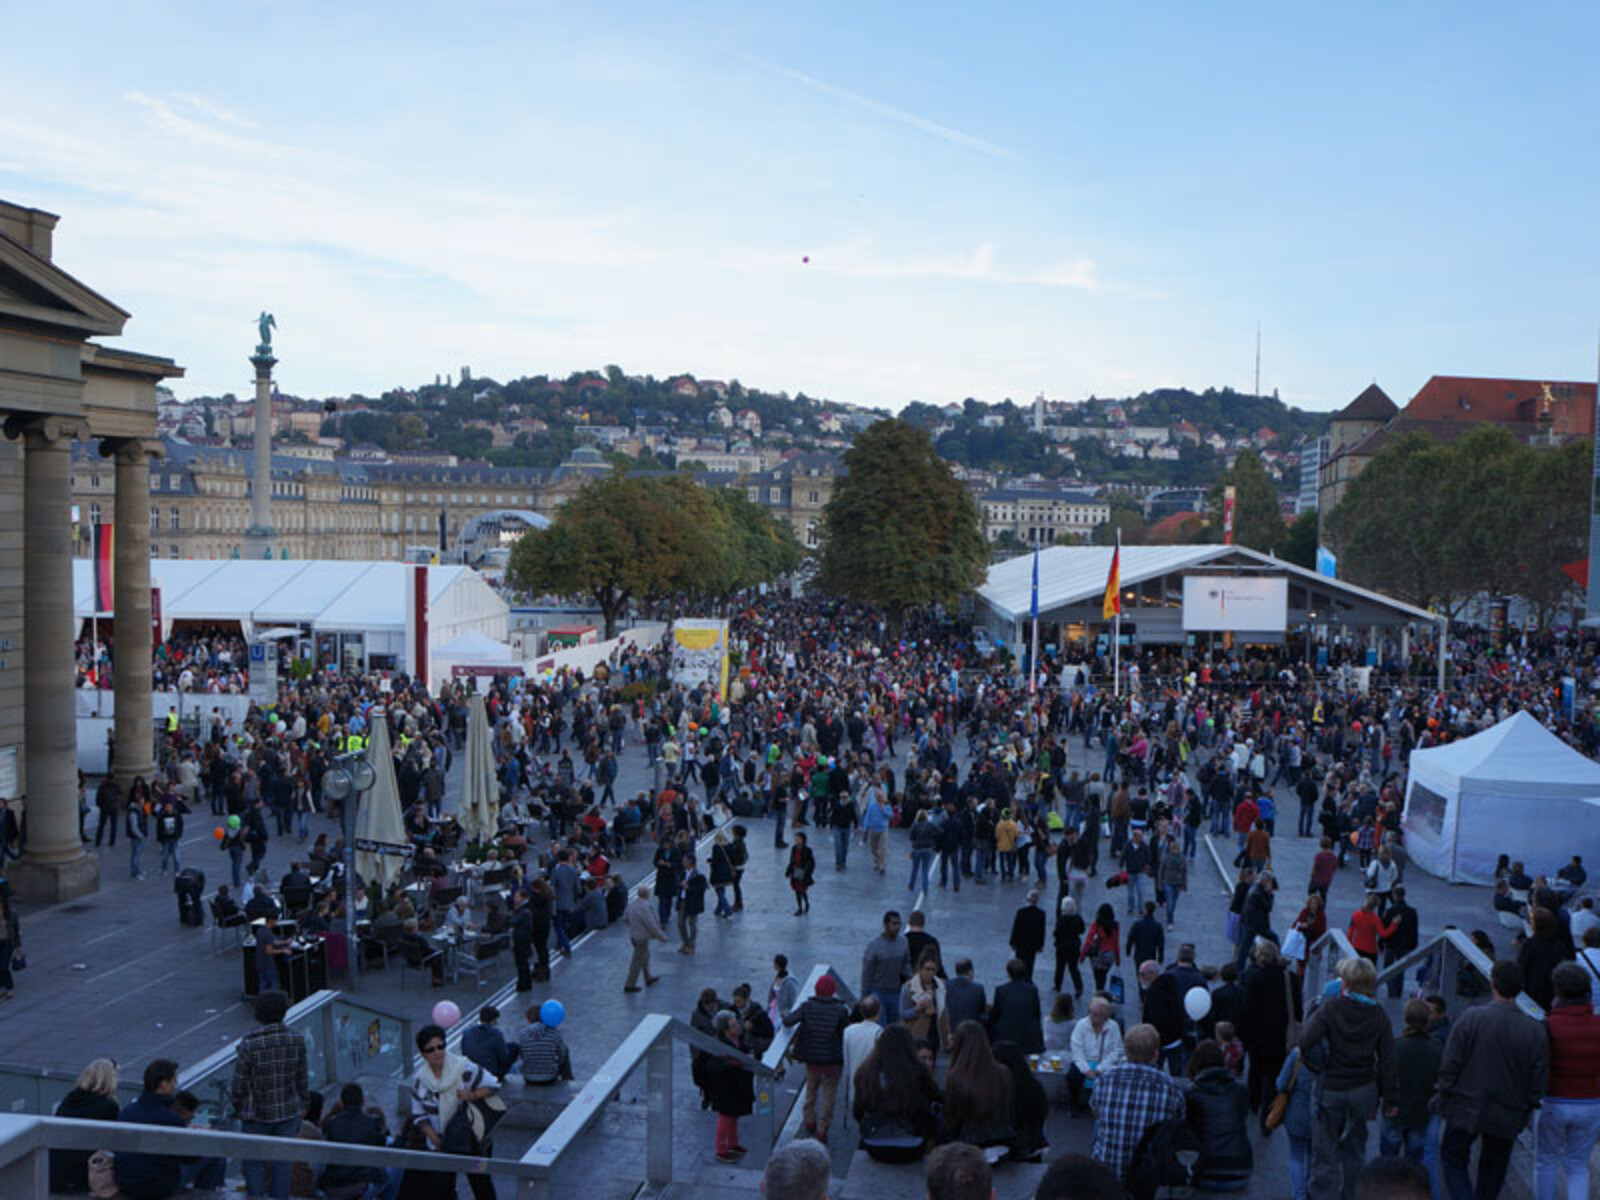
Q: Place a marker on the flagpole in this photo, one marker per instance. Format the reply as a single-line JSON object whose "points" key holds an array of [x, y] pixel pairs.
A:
{"points": [[1033, 654], [1116, 632]]}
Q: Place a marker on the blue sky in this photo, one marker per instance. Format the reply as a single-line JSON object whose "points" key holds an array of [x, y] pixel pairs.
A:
{"points": [[995, 200]]}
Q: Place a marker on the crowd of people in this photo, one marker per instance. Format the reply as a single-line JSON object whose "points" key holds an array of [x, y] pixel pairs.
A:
{"points": [[1091, 804]]}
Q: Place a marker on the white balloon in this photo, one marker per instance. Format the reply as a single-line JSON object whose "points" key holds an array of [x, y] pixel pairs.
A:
{"points": [[1197, 1003]]}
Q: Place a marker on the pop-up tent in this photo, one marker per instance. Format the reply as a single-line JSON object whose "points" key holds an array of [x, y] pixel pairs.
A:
{"points": [[1515, 789]]}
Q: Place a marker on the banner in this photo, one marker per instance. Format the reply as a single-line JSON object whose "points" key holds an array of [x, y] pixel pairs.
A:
{"points": [[1327, 563], [1235, 603], [155, 619], [700, 654], [416, 657], [103, 554], [1228, 496]]}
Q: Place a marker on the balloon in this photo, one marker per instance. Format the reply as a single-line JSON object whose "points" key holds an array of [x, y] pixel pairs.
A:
{"points": [[233, 822], [446, 1014], [805, 258], [552, 1013], [218, 833], [1197, 1003]]}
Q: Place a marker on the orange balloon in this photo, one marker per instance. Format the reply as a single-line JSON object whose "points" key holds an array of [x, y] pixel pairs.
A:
{"points": [[218, 834]]}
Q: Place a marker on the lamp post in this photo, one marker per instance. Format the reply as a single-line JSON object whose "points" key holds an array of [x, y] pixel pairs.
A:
{"points": [[345, 781]]}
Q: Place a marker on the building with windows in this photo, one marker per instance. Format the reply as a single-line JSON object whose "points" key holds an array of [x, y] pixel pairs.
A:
{"points": [[347, 509], [797, 490], [1041, 517]]}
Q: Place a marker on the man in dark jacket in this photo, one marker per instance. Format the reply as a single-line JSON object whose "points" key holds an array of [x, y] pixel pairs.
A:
{"points": [[350, 1124], [522, 940], [964, 999], [819, 1043], [1495, 1068], [485, 1045], [143, 1176], [1015, 1016], [1404, 938], [1147, 938], [1028, 932], [1361, 1068], [1163, 1009]]}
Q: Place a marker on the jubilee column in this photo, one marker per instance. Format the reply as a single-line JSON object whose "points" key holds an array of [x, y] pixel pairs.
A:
{"points": [[260, 534]]}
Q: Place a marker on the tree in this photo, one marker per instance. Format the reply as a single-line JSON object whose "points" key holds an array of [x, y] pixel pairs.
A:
{"points": [[619, 538], [1300, 548], [1257, 517], [901, 531], [1127, 517]]}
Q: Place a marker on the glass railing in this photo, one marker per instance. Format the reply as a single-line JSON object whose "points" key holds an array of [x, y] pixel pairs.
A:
{"points": [[346, 1039]]}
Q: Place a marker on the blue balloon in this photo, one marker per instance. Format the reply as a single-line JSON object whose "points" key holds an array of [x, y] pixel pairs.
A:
{"points": [[552, 1013]]}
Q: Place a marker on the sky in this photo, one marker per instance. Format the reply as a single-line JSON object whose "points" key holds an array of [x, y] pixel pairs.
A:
{"points": [[871, 203]]}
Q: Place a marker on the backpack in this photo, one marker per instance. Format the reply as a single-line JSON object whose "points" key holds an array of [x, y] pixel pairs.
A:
{"points": [[1155, 1163]]}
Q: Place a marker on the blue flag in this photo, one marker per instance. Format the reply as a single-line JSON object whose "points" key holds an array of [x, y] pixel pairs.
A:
{"points": [[1033, 608]]}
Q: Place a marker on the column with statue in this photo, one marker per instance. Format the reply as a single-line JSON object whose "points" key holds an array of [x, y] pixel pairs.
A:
{"points": [[259, 537]]}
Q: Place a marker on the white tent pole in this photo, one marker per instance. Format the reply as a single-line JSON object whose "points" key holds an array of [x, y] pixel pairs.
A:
{"points": [[1444, 636]]}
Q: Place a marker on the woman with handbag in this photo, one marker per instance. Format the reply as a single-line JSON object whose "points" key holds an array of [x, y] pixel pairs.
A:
{"points": [[10, 946], [1102, 946], [454, 1106], [922, 1005], [801, 873]]}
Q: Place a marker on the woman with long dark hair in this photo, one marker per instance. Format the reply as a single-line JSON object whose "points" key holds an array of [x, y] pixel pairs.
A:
{"points": [[802, 873], [1029, 1106], [977, 1091], [893, 1097]]}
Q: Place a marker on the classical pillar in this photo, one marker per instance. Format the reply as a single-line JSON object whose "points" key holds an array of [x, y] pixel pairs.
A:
{"points": [[260, 536], [135, 747], [54, 867]]}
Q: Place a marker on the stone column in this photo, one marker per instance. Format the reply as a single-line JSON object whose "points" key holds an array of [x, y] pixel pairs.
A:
{"points": [[55, 866], [260, 536], [135, 747]]}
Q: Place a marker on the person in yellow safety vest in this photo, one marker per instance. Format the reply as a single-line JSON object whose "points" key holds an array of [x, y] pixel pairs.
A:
{"points": [[172, 720]]}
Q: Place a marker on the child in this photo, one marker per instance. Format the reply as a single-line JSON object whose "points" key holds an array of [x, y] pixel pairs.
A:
{"points": [[1366, 839], [1232, 1049]]}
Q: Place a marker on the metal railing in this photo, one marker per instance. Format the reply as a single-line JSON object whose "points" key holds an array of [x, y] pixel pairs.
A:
{"points": [[650, 1045], [1447, 954], [26, 1142]]}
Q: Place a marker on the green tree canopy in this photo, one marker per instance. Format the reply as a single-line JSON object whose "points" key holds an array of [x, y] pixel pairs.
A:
{"points": [[901, 531], [627, 536], [1436, 524], [1257, 515]]}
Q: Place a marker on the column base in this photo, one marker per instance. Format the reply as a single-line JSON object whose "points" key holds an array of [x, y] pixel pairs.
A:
{"points": [[54, 882]]}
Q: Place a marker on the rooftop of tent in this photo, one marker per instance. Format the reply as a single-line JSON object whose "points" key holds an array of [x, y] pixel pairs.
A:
{"points": [[1072, 583]]}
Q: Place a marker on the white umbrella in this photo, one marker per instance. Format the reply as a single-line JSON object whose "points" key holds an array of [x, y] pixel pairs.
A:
{"points": [[379, 818], [480, 791]]}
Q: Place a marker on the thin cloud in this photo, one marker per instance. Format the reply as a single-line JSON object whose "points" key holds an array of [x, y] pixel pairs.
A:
{"points": [[857, 261], [943, 132]]}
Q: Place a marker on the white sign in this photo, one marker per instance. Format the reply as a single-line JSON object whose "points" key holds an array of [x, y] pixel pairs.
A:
{"points": [[1235, 603], [264, 673]]}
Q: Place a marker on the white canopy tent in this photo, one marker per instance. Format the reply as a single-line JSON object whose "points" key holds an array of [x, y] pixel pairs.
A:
{"points": [[1514, 789], [366, 598]]}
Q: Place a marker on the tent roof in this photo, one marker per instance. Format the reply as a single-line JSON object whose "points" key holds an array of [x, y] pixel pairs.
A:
{"points": [[474, 647], [1518, 750], [327, 595], [1074, 575]]}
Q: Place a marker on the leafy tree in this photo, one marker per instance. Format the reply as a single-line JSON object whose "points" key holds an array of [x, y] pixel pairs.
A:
{"points": [[1301, 546], [619, 538], [1126, 516], [901, 531], [1389, 529], [1257, 517]]}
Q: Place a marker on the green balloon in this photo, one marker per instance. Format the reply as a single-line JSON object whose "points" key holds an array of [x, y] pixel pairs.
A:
{"points": [[233, 822]]}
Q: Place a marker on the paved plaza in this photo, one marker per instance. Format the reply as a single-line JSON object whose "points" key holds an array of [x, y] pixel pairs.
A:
{"points": [[115, 974]]}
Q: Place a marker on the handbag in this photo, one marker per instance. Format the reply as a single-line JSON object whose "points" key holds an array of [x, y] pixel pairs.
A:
{"points": [[19, 961], [1294, 946], [1279, 1108]]}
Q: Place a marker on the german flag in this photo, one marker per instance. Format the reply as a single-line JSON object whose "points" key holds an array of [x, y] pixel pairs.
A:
{"points": [[1111, 606], [105, 568]]}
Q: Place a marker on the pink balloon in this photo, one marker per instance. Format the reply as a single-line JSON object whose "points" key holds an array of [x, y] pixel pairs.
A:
{"points": [[805, 258], [446, 1014]]}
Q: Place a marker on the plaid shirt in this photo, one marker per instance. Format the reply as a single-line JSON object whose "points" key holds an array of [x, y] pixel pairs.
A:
{"points": [[269, 1075], [1127, 1100]]}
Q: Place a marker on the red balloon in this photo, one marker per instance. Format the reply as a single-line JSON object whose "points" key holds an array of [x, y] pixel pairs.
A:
{"points": [[218, 834]]}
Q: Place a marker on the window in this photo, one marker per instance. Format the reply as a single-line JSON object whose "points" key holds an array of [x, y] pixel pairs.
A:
{"points": [[174, 518], [814, 497], [155, 483], [155, 516], [811, 534], [94, 513], [172, 552], [775, 495]]}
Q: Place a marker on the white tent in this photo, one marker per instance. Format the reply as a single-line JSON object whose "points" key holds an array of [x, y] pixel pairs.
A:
{"points": [[1515, 789]]}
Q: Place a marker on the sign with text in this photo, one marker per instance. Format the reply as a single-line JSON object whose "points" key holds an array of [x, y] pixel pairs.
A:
{"points": [[1235, 603]]}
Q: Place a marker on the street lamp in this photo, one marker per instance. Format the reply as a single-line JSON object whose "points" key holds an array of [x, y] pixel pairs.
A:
{"points": [[349, 777]]}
